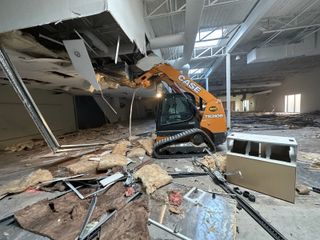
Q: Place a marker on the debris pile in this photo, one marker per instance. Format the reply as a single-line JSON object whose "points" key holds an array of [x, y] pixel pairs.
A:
{"points": [[272, 121]]}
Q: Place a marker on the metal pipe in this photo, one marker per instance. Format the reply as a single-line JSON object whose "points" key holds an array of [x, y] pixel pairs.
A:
{"points": [[228, 89], [25, 97], [207, 84], [291, 28], [31, 107], [167, 41], [131, 106]]}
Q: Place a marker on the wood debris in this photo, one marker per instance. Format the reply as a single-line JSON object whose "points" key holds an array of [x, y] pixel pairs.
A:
{"points": [[147, 144], [121, 148], [152, 177], [23, 184], [112, 160]]}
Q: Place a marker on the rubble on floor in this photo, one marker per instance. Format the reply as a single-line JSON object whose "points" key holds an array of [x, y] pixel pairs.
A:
{"points": [[28, 145], [248, 121], [158, 197], [312, 159]]}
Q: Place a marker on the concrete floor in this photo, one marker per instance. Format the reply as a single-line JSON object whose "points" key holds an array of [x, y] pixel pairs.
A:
{"points": [[294, 221]]}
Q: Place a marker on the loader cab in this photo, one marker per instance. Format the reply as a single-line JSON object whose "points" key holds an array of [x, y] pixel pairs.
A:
{"points": [[176, 112]]}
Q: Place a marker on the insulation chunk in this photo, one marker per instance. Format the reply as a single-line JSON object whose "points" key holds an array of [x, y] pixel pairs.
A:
{"points": [[152, 177], [209, 162], [302, 190], [147, 144], [83, 165], [215, 161], [112, 160], [136, 152], [22, 184], [121, 148]]}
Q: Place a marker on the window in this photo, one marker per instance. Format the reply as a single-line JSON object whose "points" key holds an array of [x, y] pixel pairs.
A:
{"points": [[245, 105], [196, 70], [176, 108], [292, 103], [208, 38]]}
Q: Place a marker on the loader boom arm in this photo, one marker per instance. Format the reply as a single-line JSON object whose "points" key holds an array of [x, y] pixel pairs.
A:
{"points": [[213, 119]]}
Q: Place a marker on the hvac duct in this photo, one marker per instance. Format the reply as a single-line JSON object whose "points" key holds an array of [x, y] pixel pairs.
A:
{"points": [[308, 47], [193, 14], [167, 41]]}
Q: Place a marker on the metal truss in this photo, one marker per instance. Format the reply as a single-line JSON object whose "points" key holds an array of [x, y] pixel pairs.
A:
{"points": [[177, 8], [209, 52]]}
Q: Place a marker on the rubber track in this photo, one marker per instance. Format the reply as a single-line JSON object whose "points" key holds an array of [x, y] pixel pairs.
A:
{"points": [[175, 138]]}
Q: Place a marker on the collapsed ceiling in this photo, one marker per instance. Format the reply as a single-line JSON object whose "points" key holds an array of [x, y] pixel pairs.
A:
{"points": [[40, 55]]}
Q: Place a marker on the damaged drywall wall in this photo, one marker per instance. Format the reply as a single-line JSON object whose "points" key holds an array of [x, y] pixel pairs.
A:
{"points": [[16, 124]]}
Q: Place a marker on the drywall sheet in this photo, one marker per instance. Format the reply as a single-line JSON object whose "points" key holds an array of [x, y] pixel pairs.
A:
{"points": [[129, 15], [34, 12]]}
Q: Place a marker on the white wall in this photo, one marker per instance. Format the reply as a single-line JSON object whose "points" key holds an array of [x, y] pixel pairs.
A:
{"points": [[308, 84], [15, 123], [238, 104]]}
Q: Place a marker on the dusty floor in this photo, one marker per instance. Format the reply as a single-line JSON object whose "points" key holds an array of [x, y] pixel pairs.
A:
{"points": [[294, 221]]}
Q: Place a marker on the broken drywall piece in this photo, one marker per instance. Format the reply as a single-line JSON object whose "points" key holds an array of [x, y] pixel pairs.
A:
{"points": [[83, 165], [136, 152], [121, 148], [23, 184], [147, 144], [152, 177], [25, 43], [110, 179], [112, 160]]}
